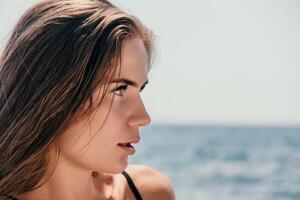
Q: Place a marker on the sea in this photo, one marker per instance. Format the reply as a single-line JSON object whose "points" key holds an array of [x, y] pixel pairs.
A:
{"points": [[224, 162]]}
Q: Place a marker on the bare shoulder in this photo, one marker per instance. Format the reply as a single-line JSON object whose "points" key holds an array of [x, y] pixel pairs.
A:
{"points": [[151, 183]]}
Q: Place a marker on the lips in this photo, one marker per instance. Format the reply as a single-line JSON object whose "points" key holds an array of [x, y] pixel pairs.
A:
{"points": [[128, 147], [125, 144]]}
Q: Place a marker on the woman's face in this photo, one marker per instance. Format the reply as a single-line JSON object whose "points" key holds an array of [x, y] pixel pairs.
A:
{"points": [[127, 113]]}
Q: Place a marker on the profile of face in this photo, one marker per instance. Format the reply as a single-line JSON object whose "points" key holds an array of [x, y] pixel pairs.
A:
{"points": [[92, 145]]}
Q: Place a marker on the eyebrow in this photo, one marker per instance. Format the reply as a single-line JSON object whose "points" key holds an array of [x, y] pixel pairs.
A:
{"points": [[129, 82]]}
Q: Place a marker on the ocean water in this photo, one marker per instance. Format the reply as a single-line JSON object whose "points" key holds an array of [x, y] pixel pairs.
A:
{"points": [[224, 163]]}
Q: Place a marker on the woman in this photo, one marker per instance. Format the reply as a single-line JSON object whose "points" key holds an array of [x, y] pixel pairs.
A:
{"points": [[70, 105]]}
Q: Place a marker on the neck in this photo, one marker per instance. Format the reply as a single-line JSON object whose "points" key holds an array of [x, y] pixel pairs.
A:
{"points": [[70, 182]]}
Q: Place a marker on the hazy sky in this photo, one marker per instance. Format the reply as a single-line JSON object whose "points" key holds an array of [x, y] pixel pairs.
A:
{"points": [[228, 62]]}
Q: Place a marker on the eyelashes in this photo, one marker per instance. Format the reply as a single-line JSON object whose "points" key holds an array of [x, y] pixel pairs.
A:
{"points": [[120, 90]]}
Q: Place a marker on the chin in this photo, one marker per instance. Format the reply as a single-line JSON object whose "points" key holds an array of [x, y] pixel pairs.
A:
{"points": [[117, 167]]}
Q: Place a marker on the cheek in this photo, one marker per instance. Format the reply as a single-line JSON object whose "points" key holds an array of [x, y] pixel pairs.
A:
{"points": [[121, 107], [89, 142], [74, 140], [88, 149]]}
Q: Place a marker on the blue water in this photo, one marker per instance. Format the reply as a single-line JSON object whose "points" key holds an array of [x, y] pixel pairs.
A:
{"points": [[224, 163]]}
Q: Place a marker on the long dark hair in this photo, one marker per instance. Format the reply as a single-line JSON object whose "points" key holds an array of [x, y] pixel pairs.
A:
{"points": [[59, 52]]}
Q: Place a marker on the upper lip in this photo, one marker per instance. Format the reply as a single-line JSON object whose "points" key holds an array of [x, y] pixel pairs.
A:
{"points": [[135, 141]]}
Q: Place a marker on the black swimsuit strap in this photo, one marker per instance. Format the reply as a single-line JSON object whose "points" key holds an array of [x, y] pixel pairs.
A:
{"points": [[132, 186]]}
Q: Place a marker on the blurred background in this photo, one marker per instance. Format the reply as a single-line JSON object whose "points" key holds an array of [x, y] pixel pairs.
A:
{"points": [[223, 94]]}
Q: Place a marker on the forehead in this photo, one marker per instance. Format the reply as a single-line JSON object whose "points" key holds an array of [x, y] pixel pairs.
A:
{"points": [[134, 60]]}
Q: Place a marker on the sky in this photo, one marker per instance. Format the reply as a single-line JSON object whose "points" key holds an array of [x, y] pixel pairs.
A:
{"points": [[230, 62]]}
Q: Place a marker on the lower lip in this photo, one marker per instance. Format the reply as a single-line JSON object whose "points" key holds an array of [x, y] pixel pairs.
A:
{"points": [[129, 150]]}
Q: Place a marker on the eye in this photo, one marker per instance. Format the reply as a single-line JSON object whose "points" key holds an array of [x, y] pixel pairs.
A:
{"points": [[119, 90]]}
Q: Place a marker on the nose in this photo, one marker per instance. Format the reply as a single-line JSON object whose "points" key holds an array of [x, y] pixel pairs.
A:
{"points": [[140, 116]]}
